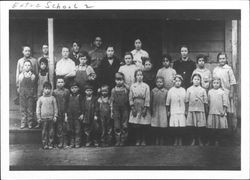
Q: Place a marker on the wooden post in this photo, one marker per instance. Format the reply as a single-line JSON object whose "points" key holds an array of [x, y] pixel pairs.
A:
{"points": [[228, 40], [51, 50], [234, 44]]}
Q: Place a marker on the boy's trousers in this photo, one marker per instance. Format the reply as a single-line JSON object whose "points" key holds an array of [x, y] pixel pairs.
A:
{"points": [[61, 129], [47, 132], [91, 131], [26, 106], [121, 115], [74, 129], [106, 128]]}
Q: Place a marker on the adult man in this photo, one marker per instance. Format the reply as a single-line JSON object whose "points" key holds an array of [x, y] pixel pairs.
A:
{"points": [[96, 54], [74, 54]]}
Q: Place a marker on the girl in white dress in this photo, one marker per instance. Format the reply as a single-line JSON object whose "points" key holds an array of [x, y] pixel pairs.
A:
{"points": [[176, 104], [218, 102]]}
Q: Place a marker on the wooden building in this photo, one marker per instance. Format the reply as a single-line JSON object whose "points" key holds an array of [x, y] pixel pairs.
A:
{"points": [[161, 31]]}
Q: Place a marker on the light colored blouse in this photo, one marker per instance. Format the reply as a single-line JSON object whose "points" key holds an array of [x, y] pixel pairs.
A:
{"points": [[176, 100], [139, 90], [129, 73], [217, 98]]}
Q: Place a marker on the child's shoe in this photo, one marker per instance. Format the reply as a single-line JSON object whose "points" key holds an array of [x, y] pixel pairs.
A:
{"points": [[77, 146], [175, 142], [23, 126], [88, 144], [60, 145], [38, 126], [30, 126], [66, 147], [193, 142], [45, 147], [137, 143], [180, 142], [200, 142], [143, 143], [50, 147]]}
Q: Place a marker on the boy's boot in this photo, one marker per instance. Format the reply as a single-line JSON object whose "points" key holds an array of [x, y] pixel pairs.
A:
{"points": [[117, 139], [123, 138], [23, 123], [72, 143], [88, 142]]}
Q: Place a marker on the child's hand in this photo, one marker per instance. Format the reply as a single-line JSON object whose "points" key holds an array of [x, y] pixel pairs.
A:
{"points": [[95, 118], [66, 118], [134, 112], [223, 114], [18, 90], [144, 112], [81, 117], [231, 95], [54, 119], [111, 114], [39, 121]]}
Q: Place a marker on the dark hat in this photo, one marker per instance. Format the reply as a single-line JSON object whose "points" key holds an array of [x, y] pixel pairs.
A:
{"points": [[74, 84], [88, 86]]}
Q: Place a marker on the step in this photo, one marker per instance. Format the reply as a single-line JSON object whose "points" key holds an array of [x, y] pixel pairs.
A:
{"points": [[33, 157], [33, 136]]}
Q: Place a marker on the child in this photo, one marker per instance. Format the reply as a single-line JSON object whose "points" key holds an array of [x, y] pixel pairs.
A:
{"points": [[73, 117], [83, 71], [43, 75], [104, 109], [205, 73], [25, 88], [139, 100], [176, 105], [120, 109], [62, 97], [218, 102], [226, 75], [196, 99], [167, 72], [148, 73], [89, 117], [159, 119], [20, 64], [128, 69], [46, 111], [138, 54]]}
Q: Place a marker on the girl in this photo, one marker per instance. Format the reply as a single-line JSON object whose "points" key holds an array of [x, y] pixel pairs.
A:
{"points": [[218, 102], [196, 99], [120, 109], [43, 75], [139, 100], [167, 72], [128, 69], [176, 104], [205, 73], [25, 88], [83, 71], [226, 75], [148, 73], [159, 119]]}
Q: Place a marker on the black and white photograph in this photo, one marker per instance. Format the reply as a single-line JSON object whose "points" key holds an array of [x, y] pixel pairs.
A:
{"points": [[96, 87]]}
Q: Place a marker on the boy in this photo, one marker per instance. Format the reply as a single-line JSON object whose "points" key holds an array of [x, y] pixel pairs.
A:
{"points": [[72, 118], [104, 110], [62, 97], [26, 56], [46, 111], [25, 87], [89, 117]]}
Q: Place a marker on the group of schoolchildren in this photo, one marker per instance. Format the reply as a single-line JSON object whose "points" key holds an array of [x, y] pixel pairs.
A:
{"points": [[182, 99]]}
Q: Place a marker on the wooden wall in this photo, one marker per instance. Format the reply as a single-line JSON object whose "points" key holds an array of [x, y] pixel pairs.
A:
{"points": [[159, 36]]}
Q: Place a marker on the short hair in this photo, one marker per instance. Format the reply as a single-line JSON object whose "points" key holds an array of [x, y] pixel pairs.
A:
{"points": [[27, 60], [201, 56], [146, 59], [74, 83], [60, 77], [184, 46], [84, 54], [221, 53], [44, 60], [45, 44], [179, 77], [24, 46], [167, 56], [129, 53], [97, 37], [65, 47], [88, 86], [137, 40], [77, 42], [138, 70], [119, 76], [159, 77], [110, 45], [104, 86], [47, 85]]}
